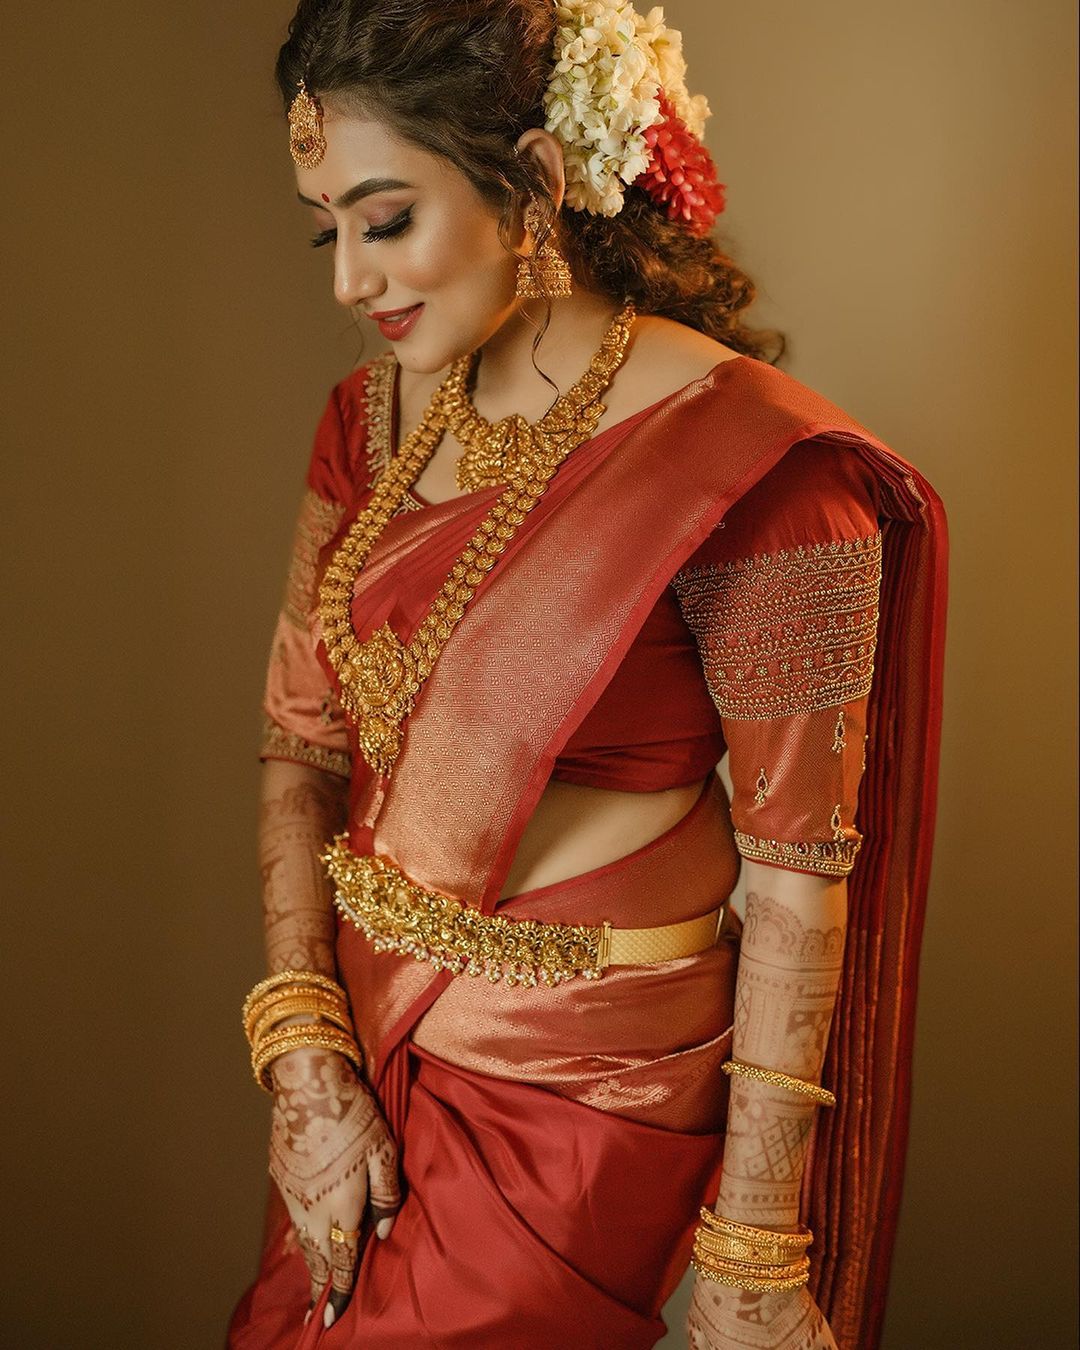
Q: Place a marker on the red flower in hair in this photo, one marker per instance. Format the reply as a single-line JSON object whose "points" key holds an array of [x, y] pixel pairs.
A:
{"points": [[681, 174]]}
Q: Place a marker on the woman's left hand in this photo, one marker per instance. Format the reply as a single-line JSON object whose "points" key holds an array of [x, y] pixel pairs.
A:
{"points": [[722, 1318]]}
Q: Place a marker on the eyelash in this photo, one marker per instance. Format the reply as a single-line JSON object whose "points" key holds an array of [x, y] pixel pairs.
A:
{"points": [[397, 226]]}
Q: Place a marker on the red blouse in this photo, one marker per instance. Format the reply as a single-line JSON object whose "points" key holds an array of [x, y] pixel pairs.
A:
{"points": [[762, 645]]}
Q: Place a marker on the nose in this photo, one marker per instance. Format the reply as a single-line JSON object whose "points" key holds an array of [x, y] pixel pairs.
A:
{"points": [[356, 279]]}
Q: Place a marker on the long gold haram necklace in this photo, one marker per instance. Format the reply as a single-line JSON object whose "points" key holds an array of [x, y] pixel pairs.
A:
{"points": [[381, 676]]}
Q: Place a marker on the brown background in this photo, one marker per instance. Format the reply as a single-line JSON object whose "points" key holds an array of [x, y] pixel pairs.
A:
{"points": [[901, 185]]}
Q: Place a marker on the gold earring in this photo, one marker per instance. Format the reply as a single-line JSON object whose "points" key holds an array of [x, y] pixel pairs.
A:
{"points": [[546, 273]]}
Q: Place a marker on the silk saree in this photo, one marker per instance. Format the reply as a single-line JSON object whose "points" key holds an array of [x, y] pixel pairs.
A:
{"points": [[556, 1144]]}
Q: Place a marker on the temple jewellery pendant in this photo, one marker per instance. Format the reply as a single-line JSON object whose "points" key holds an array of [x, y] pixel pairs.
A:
{"points": [[380, 677]]}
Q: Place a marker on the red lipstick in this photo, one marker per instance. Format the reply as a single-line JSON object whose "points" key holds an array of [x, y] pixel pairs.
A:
{"points": [[395, 324]]}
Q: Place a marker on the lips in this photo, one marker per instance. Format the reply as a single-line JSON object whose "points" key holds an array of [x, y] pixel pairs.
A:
{"points": [[396, 324]]}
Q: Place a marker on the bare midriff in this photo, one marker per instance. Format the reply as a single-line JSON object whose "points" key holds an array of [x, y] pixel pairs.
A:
{"points": [[575, 828]]}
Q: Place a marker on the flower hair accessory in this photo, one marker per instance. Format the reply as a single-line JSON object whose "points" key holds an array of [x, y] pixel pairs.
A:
{"points": [[618, 102]]}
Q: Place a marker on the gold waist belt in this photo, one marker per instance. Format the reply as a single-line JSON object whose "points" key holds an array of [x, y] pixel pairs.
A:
{"points": [[399, 915]]}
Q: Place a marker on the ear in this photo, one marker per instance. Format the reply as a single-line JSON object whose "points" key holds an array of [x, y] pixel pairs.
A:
{"points": [[548, 153]]}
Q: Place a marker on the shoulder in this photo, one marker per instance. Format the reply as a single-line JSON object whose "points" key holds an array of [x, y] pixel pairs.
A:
{"points": [[821, 494], [665, 354]]}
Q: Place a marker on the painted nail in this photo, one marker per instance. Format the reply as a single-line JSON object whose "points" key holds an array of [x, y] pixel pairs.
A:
{"points": [[382, 1228], [328, 1316]]}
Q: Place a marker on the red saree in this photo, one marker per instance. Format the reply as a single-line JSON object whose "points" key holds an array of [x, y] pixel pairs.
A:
{"points": [[556, 1145]]}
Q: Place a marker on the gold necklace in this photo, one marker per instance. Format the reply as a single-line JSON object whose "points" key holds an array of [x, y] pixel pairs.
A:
{"points": [[380, 677], [494, 452]]}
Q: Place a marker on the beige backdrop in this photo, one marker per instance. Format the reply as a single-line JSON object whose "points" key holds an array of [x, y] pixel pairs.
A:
{"points": [[901, 185]]}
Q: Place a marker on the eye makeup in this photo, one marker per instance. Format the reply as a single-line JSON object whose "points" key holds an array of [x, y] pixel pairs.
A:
{"points": [[398, 225]]}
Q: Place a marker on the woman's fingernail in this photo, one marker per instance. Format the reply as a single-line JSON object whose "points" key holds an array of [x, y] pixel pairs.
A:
{"points": [[328, 1316], [382, 1228]]}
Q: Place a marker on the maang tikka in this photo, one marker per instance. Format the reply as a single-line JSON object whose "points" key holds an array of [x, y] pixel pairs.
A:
{"points": [[546, 273], [306, 139]]}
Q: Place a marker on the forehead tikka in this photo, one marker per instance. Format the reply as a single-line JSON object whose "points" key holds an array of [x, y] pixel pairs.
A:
{"points": [[306, 140]]}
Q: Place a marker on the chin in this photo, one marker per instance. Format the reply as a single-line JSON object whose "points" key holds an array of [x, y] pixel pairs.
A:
{"points": [[427, 357], [427, 353], [423, 359]]}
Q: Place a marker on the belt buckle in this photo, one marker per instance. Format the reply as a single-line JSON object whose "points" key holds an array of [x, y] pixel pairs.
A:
{"points": [[603, 950]]}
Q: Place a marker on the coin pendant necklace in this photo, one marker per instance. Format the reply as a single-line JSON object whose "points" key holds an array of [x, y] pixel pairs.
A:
{"points": [[380, 677]]}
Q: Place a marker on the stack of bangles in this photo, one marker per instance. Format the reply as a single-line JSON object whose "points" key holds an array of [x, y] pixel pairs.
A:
{"points": [[292, 993], [740, 1255]]}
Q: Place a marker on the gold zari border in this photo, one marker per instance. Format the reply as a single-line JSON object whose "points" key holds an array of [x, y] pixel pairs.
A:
{"points": [[277, 743], [316, 524], [379, 398], [787, 632], [833, 857]]}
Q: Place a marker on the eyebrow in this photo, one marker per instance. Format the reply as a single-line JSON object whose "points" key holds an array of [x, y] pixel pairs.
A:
{"points": [[354, 194]]}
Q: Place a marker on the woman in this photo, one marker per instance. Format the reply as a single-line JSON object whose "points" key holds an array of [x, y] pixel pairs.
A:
{"points": [[568, 542]]}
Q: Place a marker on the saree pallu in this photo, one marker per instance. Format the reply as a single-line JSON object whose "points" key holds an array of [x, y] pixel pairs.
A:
{"points": [[555, 1144]]}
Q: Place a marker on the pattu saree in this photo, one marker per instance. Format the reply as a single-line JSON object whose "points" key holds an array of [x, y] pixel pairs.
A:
{"points": [[740, 568]]}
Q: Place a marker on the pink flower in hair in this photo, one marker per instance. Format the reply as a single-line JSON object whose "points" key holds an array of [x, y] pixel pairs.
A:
{"points": [[681, 174]]}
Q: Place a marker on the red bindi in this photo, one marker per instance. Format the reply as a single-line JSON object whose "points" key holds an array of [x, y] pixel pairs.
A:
{"points": [[324, 196]]}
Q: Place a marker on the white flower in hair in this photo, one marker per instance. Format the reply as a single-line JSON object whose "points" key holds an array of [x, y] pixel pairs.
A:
{"points": [[665, 44], [611, 65]]}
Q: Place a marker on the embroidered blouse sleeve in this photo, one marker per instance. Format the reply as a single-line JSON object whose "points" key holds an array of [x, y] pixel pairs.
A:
{"points": [[303, 720], [782, 599]]}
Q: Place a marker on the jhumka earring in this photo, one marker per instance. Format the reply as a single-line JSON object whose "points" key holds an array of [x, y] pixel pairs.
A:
{"points": [[546, 273], [306, 139]]}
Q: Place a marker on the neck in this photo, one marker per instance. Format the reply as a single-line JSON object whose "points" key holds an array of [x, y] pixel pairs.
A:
{"points": [[507, 381]]}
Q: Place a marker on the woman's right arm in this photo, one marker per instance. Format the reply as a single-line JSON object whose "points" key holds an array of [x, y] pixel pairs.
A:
{"points": [[300, 810], [330, 1150]]}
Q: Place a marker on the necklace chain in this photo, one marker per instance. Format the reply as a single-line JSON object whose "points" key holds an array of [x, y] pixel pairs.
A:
{"points": [[495, 452], [380, 677]]}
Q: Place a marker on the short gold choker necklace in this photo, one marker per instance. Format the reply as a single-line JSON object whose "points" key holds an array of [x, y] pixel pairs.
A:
{"points": [[380, 678], [497, 452]]}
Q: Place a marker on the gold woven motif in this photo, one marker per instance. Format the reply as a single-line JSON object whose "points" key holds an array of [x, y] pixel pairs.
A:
{"points": [[381, 677], [833, 857], [789, 632], [379, 387], [277, 743], [397, 915], [315, 527], [499, 452]]}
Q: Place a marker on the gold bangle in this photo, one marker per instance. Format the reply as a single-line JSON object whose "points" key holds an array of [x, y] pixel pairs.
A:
{"points": [[718, 1223], [306, 1033], [755, 1286], [778, 1079], [761, 1269], [331, 1009], [261, 1068], [730, 1248], [308, 977], [296, 1037], [283, 993], [279, 1015]]}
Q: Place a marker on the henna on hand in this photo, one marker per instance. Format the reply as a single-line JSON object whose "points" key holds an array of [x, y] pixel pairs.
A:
{"points": [[317, 1264], [325, 1124], [721, 1318], [790, 960], [300, 811]]}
